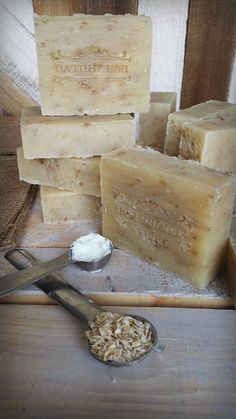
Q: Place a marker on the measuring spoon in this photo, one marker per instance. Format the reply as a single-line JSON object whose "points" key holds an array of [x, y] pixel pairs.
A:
{"points": [[72, 300], [16, 280]]}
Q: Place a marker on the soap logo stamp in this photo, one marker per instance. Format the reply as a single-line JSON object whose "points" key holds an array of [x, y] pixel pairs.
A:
{"points": [[91, 64], [150, 215]]}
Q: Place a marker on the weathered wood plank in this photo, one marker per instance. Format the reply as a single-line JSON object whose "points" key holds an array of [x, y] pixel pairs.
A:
{"points": [[46, 370], [12, 99], [210, 50], [115, 7], [127, 281], [22, 12], [59, 7], [98, 7], [18, 52]]}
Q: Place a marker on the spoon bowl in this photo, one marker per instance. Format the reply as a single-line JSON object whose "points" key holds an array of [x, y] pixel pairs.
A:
{"points": [[95, 265], [141, 357]]}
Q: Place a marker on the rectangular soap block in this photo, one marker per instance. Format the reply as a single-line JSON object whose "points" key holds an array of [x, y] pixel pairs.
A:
{"points": [[212, 142], [74, 174], [152, 125], [73, 136], [209, 109], [66, 206], [231, 259], [170, 212], [94, 65]]}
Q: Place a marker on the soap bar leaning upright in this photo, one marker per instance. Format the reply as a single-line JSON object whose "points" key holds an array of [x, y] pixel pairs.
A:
{"points": [[176, 120], [152, 125], [73, 136], [94, 65], [173, 213], [66, 206], [77, 175]]}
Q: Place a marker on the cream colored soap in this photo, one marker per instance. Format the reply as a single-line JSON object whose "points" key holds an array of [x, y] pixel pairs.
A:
{"points": [[170, 212], [212, 142], [210, 109], [66, 206], [231, 259], [73, 136], [78, 175], [152, 125], [94, 65]]}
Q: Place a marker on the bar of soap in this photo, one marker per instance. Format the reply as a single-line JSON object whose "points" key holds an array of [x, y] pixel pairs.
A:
{"points": [[152, 125], [209, 109], [94, 65], [170, 212], [74, 174], [231, 259], [212, 142], [73, 136], [65, 206]]}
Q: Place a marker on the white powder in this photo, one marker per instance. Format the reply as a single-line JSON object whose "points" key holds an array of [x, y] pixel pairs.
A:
{"points": [[90, 248]]}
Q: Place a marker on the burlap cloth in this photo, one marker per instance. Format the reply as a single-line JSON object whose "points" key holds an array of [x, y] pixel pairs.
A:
{"points": [[16, 198]]}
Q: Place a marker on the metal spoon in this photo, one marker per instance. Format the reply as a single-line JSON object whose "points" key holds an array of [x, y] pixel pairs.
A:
{"points": [[71, 299], [11, 282]]}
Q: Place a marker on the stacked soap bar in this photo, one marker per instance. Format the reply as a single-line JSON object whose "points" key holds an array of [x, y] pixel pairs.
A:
{"points": [[171, 212], [89, 68], [66, 206], [211, 109], [152, 125], [73, 136], [75, 174], [57, 152], [94, 65]]}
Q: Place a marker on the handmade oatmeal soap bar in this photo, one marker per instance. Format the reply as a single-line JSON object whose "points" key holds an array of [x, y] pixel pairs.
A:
{"points": [[173, 213], [210, 109], [78, 175], [73, 136], [94, 65], [66, 206], [152, 125], [212, 142], [231, 259]]}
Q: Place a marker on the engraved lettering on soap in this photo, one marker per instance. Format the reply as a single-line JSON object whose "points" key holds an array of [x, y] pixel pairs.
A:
{"points": [[88, 52], [153, 215], [91, 63]]}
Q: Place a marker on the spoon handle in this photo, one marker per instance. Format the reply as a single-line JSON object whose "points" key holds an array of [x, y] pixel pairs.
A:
{"points": [[17, 280], [54, 286]]}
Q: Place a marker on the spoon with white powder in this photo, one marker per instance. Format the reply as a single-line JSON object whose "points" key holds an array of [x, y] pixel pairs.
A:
{"points": [[91, 253]]}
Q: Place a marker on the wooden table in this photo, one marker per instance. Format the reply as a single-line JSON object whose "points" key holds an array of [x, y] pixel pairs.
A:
{"points": [[46, 371]]}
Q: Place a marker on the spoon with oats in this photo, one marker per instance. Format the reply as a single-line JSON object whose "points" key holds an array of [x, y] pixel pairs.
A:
{"points": [[115, 339]]}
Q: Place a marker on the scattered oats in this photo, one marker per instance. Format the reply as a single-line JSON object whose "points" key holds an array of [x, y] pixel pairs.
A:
{"points": [[119, 338]]}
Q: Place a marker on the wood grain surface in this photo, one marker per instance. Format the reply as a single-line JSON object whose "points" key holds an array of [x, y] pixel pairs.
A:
{"points": [[210, 51], [94, 7], [47, 372], [12, 99], [124, 281]]}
